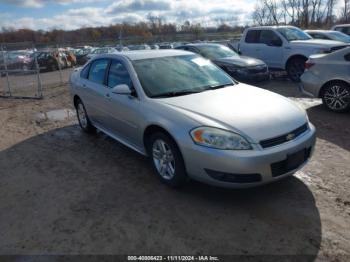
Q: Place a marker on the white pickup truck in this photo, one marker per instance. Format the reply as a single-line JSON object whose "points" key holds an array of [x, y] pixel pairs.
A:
{"points": [[283, 47]]}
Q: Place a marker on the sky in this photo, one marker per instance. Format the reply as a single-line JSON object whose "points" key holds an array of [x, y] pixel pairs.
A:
{"points": [[74, 14]]}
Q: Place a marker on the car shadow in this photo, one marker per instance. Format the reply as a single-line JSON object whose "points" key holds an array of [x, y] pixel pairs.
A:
{"points": [[66, 192], [331, 126]]}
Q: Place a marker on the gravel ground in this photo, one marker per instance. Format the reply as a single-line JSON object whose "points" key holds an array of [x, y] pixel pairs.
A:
{"points": [[65, 192]]}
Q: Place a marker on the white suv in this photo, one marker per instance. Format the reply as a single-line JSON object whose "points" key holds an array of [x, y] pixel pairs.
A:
{"points": [[284, 47], [342, 28]]}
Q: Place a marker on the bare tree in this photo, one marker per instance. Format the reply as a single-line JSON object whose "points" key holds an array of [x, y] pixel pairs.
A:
{"points": [[330, 12], [344, 15], [268, 12]]}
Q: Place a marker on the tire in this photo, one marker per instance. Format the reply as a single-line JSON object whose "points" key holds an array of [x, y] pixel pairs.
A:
{"points": [[336, 96], [295, 68], [172, 172], [83, 118]]}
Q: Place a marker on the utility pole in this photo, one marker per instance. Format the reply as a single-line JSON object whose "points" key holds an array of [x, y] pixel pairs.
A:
{"points": [[120, 35]]}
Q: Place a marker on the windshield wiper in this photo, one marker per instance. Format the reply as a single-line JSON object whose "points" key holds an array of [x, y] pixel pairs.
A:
{"points": [[213, 87], [176, 93]]}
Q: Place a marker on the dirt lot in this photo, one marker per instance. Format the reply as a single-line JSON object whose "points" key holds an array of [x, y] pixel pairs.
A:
{"points": [[65, 192]]}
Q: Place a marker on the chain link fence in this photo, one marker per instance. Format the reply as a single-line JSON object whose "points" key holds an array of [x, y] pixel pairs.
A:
{"points": [[27, 69]]}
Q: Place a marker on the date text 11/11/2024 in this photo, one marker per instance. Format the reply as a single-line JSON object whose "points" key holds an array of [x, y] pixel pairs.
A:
{"points": [[173, 258]]}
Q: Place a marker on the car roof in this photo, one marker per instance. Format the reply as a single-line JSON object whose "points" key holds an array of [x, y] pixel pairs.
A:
{"points": [[271, 26], [148, 54], [319, 31], [342, 25], [203, 44]]}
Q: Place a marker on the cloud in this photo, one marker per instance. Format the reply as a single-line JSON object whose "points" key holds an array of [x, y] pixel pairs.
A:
{"points": [[139, 5], [42, 3], [206, 12]]}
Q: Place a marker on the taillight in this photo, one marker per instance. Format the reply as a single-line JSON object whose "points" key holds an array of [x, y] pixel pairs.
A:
{"points": [[308, 65]]}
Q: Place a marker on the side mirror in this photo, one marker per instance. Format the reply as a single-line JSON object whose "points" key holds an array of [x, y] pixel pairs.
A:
{"points": [[122, 89]]}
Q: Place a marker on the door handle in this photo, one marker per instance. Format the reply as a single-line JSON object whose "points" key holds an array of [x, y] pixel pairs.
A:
{"points": [[107, 95], [84, 86]]}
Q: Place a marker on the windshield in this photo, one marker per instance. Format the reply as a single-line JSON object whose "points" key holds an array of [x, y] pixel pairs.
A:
{"points": [[216, 51], [293, 34], [179, 74], [340, 36]]}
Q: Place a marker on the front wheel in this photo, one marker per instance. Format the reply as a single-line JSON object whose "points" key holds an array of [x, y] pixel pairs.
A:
{"points": [[336, 97], [295, 68], [83, 118], [167, 160]]}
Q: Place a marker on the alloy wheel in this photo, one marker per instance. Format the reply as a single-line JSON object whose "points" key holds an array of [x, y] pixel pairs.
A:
{"points": [[337, 97], [163, 159], [82, 116]]}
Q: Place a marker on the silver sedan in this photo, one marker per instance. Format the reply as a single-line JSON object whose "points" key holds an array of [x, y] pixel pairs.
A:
{"points": [[192, 119], [327, 76]]}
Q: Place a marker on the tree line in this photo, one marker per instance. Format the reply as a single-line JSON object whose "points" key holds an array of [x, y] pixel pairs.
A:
{"points": [[153, 27], [302, 13]]}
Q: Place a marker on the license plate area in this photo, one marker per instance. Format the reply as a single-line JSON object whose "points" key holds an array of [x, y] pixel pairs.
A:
{"points": [[292, 162], [296, 159]]}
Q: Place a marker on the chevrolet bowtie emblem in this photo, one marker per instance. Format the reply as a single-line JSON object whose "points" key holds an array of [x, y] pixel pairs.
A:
{"points": [[290, 137]]}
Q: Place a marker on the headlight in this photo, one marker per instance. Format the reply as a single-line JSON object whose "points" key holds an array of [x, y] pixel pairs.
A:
{"points": [[219, 139]]}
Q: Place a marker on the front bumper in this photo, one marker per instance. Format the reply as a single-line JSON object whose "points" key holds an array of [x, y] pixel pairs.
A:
{"points": [[310, 84], [209, 165]]}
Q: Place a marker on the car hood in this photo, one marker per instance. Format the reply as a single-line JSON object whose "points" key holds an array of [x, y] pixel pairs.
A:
{"points": [[317, 43], [257, 114], [242, 61]]}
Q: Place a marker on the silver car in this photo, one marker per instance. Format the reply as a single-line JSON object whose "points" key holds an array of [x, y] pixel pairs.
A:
{"points": [[327, 76], [329, 35], [192, 119]]}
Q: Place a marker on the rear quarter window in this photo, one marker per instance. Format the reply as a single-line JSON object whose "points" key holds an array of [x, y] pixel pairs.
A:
{"points": [[85, 71]]}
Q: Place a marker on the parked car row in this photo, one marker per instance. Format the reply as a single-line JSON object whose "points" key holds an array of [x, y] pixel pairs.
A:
{"points": [[48, 60], [284, 47], [319, 59]]}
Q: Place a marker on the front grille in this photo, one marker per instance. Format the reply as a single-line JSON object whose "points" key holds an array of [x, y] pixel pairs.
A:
{"points": [[257, 69], [284, 138], [234, 178], [291, 163]]}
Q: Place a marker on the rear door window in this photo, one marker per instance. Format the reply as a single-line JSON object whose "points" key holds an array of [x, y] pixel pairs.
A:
{"points": [[319, 36], [267, 37], [252, 36], [97, 70]]}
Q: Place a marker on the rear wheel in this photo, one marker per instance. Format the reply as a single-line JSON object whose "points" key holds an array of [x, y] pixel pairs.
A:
{"points": [[83, 118], [167, 160], [295, 68], [336, 96]]}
